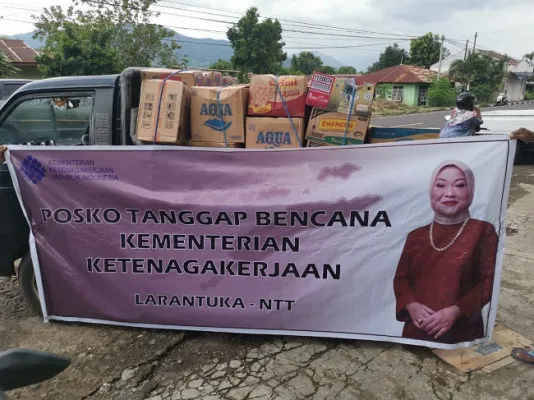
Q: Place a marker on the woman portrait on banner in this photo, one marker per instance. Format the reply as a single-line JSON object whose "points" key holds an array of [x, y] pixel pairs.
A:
{"points": [[445, 273]]}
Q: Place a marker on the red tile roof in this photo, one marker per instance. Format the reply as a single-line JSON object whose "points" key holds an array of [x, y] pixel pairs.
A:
{"points": [[18, 51], [398, 74]]}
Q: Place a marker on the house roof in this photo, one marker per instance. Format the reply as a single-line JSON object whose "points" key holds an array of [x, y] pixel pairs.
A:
{"points": [[499, 56], [17, 51], [398, 74]]}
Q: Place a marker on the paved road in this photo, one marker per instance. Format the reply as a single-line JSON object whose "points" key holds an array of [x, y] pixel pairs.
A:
{"points": [[112, 363], [434, 119]]}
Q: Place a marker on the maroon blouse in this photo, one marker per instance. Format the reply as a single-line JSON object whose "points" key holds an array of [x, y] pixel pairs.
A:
{"points": [[462, 275]]}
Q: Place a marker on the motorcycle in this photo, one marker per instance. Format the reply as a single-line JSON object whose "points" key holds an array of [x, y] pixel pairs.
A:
{"points": [[502, 100], [22, 367]]}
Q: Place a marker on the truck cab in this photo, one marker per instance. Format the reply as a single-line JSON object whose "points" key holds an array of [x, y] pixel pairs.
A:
{"points": [[67, 111]]}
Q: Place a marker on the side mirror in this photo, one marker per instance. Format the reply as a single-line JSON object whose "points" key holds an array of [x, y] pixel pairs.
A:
{"points": [[21, 367]]}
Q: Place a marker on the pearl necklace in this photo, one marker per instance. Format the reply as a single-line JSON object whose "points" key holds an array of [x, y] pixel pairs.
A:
{"points": [[431, 235]]}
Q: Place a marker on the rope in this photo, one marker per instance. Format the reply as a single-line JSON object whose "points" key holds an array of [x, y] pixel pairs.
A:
{"points": [[286, 109], [353, 97], [219, 107], [160, 99]]}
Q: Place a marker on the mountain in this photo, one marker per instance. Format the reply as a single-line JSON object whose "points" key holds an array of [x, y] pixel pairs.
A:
{"points": [[199, 52]]}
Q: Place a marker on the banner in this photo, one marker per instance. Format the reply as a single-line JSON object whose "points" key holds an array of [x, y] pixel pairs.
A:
{"points": [[401, 242]]}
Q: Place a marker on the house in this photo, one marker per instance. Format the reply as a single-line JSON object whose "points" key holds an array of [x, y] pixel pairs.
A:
{"points": [[517, 72], [402, 83], [21, 56]]}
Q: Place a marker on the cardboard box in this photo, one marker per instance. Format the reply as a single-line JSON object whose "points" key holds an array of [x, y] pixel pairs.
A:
{"points": [[274, 133], [174, 114], [190, 78], [314, 143], [214, 144], [382, 135], [219, 110], [332, 93], [266, 101], [329, 127]]}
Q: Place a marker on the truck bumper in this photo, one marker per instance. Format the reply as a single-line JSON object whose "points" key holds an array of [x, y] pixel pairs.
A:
{"points": [[14, 230]]}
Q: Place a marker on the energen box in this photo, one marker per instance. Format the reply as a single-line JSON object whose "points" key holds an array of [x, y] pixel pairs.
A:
{"points": [[332, 93], [382, 135], [266, 100], [329, 127]]}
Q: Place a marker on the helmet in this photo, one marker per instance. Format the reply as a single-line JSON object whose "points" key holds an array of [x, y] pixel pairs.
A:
{"points": [[465, 101]]}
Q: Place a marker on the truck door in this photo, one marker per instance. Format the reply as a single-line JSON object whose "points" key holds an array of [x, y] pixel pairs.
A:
{"points": [[64, 118]]}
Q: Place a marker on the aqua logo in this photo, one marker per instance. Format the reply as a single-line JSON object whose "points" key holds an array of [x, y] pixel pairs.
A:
{"points": [[33, 170], [275, 139], [216, 110], [218, 125]]}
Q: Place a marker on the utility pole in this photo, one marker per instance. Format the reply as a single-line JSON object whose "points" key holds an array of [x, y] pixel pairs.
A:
{"points": [[475, 43], [466, 46], [440, 55]]}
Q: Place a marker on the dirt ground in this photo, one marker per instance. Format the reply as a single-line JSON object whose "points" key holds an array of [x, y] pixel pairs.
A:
{"points": [[134, 364]]}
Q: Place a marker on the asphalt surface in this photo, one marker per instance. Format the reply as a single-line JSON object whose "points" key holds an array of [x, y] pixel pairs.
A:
{"points": [[433, 119]]}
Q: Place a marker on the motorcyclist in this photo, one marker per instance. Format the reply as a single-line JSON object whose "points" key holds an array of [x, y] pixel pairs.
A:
{"points": [[465, 119]]}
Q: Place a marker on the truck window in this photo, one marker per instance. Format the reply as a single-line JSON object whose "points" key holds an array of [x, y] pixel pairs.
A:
{"points": [[62, 119], [9, 88]]}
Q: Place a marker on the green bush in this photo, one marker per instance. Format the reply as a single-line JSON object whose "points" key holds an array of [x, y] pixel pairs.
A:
{"points": [[441, 93], [483, 93], [529, 95]]}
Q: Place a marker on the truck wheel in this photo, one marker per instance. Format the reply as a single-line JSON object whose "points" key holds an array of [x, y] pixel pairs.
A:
{"points": [[28, 284]]}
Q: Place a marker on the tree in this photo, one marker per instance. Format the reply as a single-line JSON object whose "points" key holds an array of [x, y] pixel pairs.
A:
{"points": [[327, 69], [529, 56], [483, 73], [221, 64], [424, 51], [258, 46], [441, 93], [306, 62], [106, 39], [392, 55], [7, 70], [347, 70]]}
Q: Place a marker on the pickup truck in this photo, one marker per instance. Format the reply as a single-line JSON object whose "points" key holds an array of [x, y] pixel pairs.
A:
{"points": [[10, 86], [506, 121], [75, 111]]}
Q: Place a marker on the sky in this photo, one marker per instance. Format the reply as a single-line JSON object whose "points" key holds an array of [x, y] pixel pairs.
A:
{"points": [[506, 26]]}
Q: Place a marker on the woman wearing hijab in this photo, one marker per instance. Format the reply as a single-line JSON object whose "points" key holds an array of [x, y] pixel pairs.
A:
{"points": [[445, 273]]}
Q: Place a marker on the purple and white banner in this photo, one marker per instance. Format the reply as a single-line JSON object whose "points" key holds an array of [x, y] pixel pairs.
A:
{"points": [[401, 242]]}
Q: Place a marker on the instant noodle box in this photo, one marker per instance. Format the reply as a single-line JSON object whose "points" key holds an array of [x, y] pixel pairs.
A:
{"points": [[329, 127], [382, 135], [333, 93], [219, 110], [174, 111], [266, 101], [274, 133], [316, 143]]}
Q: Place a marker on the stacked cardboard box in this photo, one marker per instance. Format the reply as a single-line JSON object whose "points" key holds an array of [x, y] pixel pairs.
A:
{"points": [[218, 115], [271, 99], [332, 102], [172, 101]]}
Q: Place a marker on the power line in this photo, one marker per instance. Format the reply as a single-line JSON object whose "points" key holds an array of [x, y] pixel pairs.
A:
{"points": [[240, 14], [103, 2]]}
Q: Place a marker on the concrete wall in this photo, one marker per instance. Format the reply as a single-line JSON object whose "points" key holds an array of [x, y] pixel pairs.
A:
{"points": [[28, 72], [515, 88], [411, 94]]}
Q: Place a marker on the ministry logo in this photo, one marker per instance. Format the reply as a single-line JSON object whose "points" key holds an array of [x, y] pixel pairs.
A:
{"points": [[33, 170]]}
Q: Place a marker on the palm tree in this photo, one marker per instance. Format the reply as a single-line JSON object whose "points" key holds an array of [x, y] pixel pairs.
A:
{"points": [[529, 56], [7, 70]]}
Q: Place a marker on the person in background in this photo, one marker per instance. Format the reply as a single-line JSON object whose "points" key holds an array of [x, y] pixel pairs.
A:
{"points": [[465, 118]]}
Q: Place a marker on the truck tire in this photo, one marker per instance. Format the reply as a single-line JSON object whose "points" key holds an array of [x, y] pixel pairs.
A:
{"points": [[28, 284]]}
